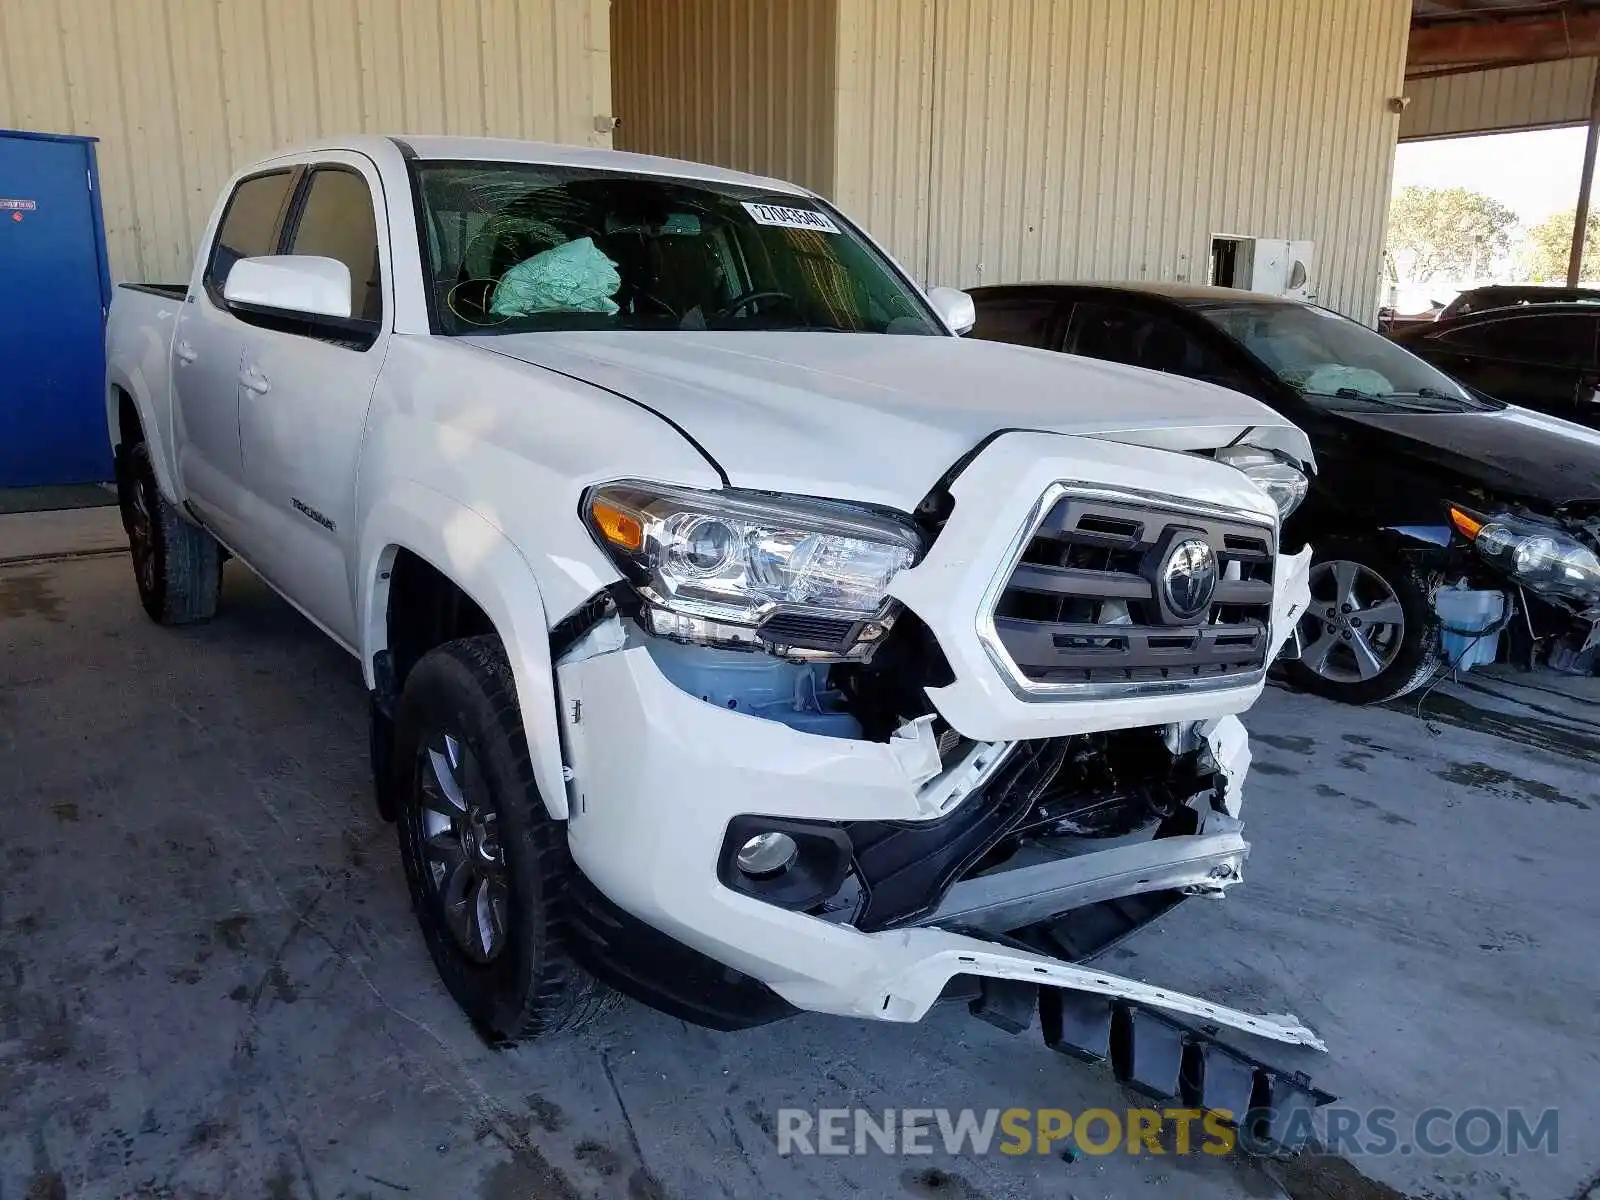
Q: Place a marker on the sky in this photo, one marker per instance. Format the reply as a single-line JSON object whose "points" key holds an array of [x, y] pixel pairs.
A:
{"points": [[1533, 173]]}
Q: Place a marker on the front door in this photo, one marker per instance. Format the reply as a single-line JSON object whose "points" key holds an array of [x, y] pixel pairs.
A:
{"points": [[52, 397], [304, 397], [208, 352]]}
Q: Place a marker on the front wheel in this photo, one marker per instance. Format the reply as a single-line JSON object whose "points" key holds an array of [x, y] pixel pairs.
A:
{"points": [[487, 867], [1369, 634]]}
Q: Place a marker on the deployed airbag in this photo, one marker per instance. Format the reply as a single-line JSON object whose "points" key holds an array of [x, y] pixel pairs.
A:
{"points": [[573, 277]]}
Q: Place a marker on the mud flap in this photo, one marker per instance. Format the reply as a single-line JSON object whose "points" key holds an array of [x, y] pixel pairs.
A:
{"points": [[1169, 1060]]}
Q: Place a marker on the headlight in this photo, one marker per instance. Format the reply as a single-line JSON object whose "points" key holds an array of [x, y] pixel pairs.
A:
{"points": [[1540, 556], [1285, 484], [714, 565]]}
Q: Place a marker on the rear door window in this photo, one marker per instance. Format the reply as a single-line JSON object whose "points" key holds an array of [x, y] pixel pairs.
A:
{"points": [[336, 220], [249, 225]]}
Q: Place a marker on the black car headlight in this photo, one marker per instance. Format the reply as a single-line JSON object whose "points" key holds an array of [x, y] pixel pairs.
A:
{"points": [[717, 567], [1541, 557]]}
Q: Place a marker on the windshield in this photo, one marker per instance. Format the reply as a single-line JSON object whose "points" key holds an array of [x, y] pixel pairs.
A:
{"points": [[514, 247], [1331, 359]]}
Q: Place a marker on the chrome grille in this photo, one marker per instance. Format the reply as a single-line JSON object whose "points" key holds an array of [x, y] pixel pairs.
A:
{"points": [[1079, 607]]}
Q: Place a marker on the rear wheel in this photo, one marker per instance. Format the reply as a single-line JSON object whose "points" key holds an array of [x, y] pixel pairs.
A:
{"points": [[1369, 634], [177, 566], [487, 867]]}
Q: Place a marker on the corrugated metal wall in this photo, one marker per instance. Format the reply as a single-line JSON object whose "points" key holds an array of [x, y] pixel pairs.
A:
{"points": [[1112, 138], [746, 84], [1531, 97], [885, 122], [182, 92]]}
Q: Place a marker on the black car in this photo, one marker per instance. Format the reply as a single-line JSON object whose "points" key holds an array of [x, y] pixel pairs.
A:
{"points": [[1541, 356], [1512, 295], [1419, 481]]}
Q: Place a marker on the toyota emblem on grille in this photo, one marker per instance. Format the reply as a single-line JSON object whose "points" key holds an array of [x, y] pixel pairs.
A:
{"points": [[1189, 578]]}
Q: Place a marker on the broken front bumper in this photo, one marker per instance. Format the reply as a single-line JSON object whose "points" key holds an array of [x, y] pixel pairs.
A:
{"points": [[661, 776]]}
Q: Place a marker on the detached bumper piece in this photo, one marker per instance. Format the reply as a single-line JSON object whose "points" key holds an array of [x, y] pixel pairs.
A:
{"points": [[1166, 1059]]}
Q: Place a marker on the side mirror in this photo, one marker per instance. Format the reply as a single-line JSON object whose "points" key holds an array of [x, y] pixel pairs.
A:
{"points": [[305, 285], [955, 308]]}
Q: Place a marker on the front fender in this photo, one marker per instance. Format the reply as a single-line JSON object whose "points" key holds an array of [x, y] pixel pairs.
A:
{"points": [[483, 562]]}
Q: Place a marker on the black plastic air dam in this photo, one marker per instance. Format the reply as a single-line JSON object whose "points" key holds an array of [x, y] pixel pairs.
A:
{"points": [[906, 868], [640, 961]]}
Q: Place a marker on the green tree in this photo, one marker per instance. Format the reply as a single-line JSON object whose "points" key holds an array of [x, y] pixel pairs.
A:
{"points": [[1454, 232], [1550, 246]]}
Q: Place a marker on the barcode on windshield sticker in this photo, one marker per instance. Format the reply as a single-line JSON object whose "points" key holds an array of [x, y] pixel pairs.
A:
{"points": [[790, 218]]}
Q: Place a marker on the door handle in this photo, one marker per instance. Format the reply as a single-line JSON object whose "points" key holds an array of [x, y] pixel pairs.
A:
{"points": [[185, 352], [253, 380]]}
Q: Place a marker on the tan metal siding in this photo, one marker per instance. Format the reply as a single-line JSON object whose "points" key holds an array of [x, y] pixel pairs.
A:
{"points": [[885, 122], [746, 84], [1531, 97], [183, 92], [1112, 138]]}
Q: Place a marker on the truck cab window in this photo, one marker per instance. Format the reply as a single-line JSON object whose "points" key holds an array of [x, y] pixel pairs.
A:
{"points": [[249, 226], [518, 248], [336, 221]]}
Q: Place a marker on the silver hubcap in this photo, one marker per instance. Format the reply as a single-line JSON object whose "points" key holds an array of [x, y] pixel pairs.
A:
{"points": [[461, 847], [1355, 624]]}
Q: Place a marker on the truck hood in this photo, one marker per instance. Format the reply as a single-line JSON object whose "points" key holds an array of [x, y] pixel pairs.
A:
{"points": [[877, 418]]}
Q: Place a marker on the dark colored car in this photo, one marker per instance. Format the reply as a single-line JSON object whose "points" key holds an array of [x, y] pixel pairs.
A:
{"points": [[1514, 295], [1420, 481], [1543, 356]]}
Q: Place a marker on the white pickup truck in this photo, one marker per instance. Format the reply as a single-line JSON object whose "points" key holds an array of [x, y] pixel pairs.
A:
{"points": [[737, 634]]}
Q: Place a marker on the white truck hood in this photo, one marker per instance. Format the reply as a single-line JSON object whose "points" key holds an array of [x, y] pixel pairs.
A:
{"points": [[877, 418]]}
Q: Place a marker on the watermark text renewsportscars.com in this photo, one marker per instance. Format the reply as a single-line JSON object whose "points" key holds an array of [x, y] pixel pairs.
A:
{"points": [[1164, 1131]]}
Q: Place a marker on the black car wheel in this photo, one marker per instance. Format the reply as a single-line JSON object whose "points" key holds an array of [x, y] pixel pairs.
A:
{"points": [[177, 566], [1369, 634], [487, 866]]}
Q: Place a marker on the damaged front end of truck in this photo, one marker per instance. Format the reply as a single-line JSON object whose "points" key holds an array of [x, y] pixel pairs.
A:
{"points": [[1028, 752]]}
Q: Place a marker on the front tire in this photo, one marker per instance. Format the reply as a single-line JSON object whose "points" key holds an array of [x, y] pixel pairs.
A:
{"points": [[1370, 633], [486, 865], [177, 566]]}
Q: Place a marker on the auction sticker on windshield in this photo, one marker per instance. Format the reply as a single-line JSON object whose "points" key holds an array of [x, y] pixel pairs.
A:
{"points": [[790, 218]]}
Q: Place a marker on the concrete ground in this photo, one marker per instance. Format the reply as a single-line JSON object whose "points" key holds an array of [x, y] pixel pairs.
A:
{"points": [[210, 984]]}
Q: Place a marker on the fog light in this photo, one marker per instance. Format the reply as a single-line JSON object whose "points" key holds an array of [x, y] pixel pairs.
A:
{"points": [[767, 854]]}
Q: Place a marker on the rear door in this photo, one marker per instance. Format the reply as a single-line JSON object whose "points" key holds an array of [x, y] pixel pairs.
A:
{"points": [[305, 390]]}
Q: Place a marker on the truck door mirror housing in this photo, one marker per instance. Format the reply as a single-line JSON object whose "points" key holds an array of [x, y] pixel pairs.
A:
{"points": [[955, 308], [304, 285]]}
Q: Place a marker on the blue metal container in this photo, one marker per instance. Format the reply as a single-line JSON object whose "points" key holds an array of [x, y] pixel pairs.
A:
{"points": [[55, 289]]}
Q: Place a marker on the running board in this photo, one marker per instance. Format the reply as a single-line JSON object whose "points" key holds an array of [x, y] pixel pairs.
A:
{"points": [[1164, 1059]]}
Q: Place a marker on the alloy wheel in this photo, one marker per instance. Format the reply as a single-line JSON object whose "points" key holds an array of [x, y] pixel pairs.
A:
{"points": [[461, 848], [1355, 625]]}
